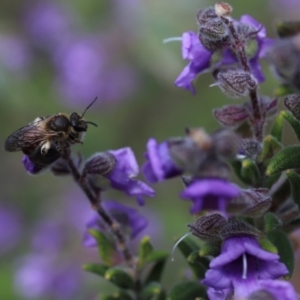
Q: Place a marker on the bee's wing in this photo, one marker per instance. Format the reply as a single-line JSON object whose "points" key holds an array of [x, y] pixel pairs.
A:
{"points": [[28, 136]]}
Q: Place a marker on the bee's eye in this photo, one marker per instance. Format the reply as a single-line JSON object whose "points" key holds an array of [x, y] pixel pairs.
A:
{"points": [[60, 123]]}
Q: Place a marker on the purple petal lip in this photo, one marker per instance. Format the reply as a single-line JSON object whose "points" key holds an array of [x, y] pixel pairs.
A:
{"points": [[30, 167], [160, 165], [129, 219]]}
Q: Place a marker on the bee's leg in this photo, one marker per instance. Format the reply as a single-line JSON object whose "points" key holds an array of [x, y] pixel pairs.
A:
{"points": [[45, 147]]}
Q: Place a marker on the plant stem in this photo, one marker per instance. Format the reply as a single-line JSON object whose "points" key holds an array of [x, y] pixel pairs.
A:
{"points": [[96, 205], [239, 49]]}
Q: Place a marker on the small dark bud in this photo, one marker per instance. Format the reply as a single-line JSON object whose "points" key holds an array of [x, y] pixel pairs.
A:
{"points": [[187, 180], [226, 143], [205, 15], [231, 115], [214, 35], [235, 227], [208, 227], [288, 212], [253, 203], [100, 163], [287, 28], [292, 103], [223, 9], [250, 148], [235, 83], [284, 57]]}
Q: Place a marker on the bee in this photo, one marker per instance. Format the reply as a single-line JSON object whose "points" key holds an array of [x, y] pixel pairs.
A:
{"points": [[44, 139]]}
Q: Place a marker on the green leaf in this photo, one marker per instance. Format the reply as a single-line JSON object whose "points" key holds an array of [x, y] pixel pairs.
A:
{"points": [[98, 269], [119, 277], [287, 28], [294, 179], [283, 90], [250, 171], [295, 124], [288, 158], [187, 246], [157, 255], [266, 244], [198, 264], [237, 168], [210, 248], [120, 295], [106, 249], [270, 222], [187, 291], [276, 130], [153, 290], [144, 250], [270, 147], [284, 247], [157, 269]]}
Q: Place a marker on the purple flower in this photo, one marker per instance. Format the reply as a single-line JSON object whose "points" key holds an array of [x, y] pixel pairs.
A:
{"points": [[201, 60], [241, 265], [49, 237], [14, 53], [129, 219], [40, 277], [121, 177], [279, 289], [48, 23], [31, 167], [160, 165], [85, 69], [10, 229], [210, 194]]}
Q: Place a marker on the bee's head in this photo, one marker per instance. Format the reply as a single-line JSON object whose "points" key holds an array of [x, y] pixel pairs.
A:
{"points": [[77, 121]]}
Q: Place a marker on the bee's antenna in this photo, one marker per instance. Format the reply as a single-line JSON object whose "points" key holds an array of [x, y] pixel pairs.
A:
{"points": [[88, 108], [92, 123]]}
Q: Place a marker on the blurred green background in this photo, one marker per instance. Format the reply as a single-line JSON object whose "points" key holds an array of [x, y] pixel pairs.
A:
{"points": [[133, 72]]}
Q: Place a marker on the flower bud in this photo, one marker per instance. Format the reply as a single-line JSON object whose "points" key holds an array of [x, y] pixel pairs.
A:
{"points": [[100, 163], [231, 115], [292, 102], [250, 148], [235, 83], [284, 57], [208, 227], [235, 227], [205, 15], [223, 9], [214, 35], [287, 28], [253, 203]]}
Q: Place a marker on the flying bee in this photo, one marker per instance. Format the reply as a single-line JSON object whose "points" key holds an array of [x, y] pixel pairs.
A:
{"points": [[44, 139]]}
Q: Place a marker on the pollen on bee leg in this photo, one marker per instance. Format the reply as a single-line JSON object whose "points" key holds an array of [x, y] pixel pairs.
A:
{"points": [[46, 146]]}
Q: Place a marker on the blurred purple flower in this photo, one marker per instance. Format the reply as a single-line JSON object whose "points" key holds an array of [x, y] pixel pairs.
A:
{"points": [[210, 194], [48, 23], [15, 54], [40, 277], [129, 219], [241, 265], [10, 229], [201, 60], [49, 237], [85, 70], [121, 177], [160, 165]]}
